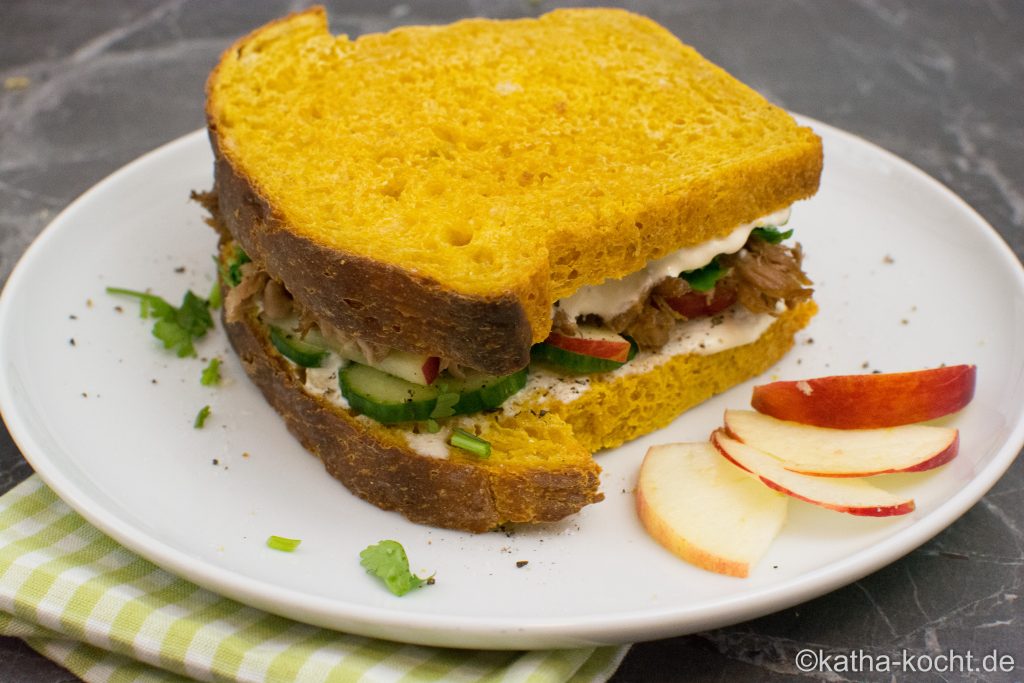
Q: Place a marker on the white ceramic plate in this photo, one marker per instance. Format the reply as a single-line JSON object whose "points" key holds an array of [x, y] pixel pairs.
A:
{"points": [[907, 276]]}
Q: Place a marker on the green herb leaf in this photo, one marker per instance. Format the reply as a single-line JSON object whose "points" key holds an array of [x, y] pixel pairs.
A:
{"points": [[388, 562], [178, 327], [211, 373], [460, 438], [432, 426], [285, 545], [771, 234], [201, 416], [445, 406], [704, 279]]}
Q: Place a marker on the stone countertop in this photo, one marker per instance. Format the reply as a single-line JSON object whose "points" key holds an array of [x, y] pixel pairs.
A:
{"points": [[88, 86]]}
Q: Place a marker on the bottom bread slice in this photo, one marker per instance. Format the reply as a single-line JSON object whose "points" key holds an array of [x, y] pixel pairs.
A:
{"points": [[541, 468]]}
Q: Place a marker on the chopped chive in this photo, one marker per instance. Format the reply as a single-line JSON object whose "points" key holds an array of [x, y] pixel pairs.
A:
{"points": [[201, 416], [474, 444], [285, 545], [211, 373]]}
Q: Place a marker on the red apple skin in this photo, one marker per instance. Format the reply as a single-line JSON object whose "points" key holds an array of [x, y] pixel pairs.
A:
{"points": [[903, 509], [617, 351], [431, 369], [869, 401], [697, 304], [938, 460]]}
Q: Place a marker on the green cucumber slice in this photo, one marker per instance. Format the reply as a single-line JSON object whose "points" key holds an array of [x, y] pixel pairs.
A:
{"points": [[384, 397], [578, 363], [483, 392], [296, 350]]}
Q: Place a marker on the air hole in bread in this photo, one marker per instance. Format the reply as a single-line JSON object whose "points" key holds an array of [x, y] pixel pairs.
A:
{"points": [[352, 303], [483, 255], [459, 236]]}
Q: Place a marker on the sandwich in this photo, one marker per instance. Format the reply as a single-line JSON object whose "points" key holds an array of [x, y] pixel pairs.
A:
{"points": [[459, 260]]}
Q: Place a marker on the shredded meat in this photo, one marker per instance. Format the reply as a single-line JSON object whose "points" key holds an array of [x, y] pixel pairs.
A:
{"points": [[239, 296], [563, 324], [671, 287], [211, 202], [649, 322], [758, 277], [651, 327], [277, 302], [765, 274], [373, 353]]}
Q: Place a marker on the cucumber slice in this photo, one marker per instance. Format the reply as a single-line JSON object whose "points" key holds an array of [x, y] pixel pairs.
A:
{"points": [[578, 363], [414, 367], [384, 397], [296, 350], [483, 392]]}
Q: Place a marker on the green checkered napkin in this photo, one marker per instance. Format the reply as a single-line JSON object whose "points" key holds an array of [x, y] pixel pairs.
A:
{"points": [[106, 614]]}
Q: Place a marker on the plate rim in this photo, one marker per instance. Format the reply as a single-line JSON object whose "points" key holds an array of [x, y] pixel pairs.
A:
{"points": [[501, 632]]}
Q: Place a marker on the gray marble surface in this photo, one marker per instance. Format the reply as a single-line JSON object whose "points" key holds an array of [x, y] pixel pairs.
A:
{"points": [[87, 86]]}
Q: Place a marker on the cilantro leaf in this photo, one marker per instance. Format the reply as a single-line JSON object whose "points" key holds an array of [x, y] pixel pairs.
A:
{"points": [[445, 406], [178, 327], [771, 234], [211, 373], [201, 416], [231, 268], [388, 562], [704, 279]]}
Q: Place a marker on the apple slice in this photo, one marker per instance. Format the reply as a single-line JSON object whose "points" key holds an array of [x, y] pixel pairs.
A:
{"points": [[844, 452], [869, 401], [705, 510], [412, 367], [852, 496], [593, 341]]}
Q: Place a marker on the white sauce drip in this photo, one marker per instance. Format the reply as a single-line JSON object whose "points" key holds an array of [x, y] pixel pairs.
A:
{"points": [[430, 445], [613, 297]]}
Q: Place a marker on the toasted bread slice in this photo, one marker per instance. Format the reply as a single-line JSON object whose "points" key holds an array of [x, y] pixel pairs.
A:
{"points": [[540, 468], [436, 189]]}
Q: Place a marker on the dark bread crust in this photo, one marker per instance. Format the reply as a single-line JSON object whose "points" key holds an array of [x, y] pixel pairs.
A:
{"points": [[373, 301], [435, 491]]}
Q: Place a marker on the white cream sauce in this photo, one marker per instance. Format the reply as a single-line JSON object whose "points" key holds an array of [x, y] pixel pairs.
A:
{"points": [[430, 445], [323, 381], [614, 296]]}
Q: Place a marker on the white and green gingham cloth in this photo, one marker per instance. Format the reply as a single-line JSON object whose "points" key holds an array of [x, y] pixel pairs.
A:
{"points": [[80, 599]]}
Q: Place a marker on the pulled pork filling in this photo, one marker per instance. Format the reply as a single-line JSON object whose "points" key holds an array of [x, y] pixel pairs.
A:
{"points": [[759, 277], [276, 303]]}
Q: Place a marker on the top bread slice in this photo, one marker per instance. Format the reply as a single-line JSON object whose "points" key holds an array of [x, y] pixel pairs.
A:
{"points": [[437, 188]]}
